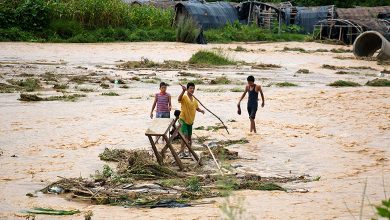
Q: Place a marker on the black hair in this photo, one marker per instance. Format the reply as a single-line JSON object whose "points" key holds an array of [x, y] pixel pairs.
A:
{"points": [[250, 79], [163, 84], [190, 84]]}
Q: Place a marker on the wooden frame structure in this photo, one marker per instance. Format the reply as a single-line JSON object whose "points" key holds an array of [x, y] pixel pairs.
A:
{"points": [[161, 128]]}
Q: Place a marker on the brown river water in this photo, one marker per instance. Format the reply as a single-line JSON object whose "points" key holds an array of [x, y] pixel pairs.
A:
{"points": [[341, 135]]}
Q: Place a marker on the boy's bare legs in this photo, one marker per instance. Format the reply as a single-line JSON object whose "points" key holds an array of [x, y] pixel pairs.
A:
{"points": [[253, 125], [183, 145]]}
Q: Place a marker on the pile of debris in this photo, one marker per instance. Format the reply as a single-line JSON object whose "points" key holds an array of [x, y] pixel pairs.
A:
{"points": [[139, 181]]}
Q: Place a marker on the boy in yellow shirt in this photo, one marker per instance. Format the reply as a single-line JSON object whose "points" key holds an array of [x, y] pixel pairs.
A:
{"points": [[189, 106]]}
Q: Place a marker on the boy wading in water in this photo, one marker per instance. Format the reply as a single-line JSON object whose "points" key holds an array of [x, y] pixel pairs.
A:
{"points": [[163, 102], [189, 106], [253, 90]]}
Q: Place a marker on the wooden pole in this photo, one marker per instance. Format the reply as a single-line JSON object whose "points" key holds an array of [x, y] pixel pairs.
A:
{"points": [[210, 112]]}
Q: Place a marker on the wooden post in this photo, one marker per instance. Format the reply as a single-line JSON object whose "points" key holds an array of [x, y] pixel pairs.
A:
{"points": [[177, 159], [158, 156]]}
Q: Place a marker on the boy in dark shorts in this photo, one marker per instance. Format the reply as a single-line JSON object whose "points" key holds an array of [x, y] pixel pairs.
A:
{"points": [[163, 102], [189, 107], [253, 90]]}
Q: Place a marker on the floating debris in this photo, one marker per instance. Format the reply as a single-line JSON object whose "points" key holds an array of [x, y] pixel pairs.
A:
{"points": [[46, 211]]}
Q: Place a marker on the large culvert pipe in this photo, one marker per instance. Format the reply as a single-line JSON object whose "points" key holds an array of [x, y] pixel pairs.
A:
{"points": [[367, 43]]}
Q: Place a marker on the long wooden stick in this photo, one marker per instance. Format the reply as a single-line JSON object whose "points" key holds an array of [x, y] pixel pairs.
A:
{"points": [[210, 112], [215, 160]]}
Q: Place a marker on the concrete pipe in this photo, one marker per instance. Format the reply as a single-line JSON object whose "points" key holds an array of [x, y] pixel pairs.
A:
{"points": [[367, 43]]}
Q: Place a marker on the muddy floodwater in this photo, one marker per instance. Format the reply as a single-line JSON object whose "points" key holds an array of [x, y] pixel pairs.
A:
{"points": [[340, 135]]}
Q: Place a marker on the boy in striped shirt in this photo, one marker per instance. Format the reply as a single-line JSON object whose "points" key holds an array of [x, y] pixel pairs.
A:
{"points": [[163, 102]]}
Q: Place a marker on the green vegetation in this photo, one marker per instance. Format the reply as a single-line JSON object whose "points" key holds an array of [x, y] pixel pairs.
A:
{"points": [[298, 49], [184, 81], [28, 85], [220, 80], [237, 89], [83, 21], [35, 98], [246, 33], [303, 71], [110, 94], [114, 20], [379, 83], [46, 211], [240, 49], [383, 210], [210, 58], [60, 86], [285, 84], [342, 83]]}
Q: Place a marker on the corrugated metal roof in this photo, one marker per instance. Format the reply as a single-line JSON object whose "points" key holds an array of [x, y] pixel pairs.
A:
{"points": [[361, 13], [208, 15]]}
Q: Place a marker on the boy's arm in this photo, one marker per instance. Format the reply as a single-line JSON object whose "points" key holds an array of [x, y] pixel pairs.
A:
{"points": [[200, 110], [182, 93], [243, 95], [262, 96], [153, 106], [170, 103]]}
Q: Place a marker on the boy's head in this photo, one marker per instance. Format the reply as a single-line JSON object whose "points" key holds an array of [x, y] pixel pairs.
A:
{"points": [[163, 87], [251, 80], [190, 88]]}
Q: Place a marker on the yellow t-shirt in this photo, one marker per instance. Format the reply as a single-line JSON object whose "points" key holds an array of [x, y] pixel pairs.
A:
{"points": [[188, 109]]}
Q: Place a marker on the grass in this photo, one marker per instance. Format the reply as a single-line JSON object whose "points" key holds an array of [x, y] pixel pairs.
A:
{"points": [[256, 185], [332, 67], [60, 86], [340, 50], [187, 74], [298, 49], [285, 84], [7, 88], [265, 66], [86, 90], [184, 81], [246, 33], [342, 83], [345, 73], [28, 85], [213, 90], [104, 85], [303, 71], [379, 83], [204, 57], [237, 89], [220, 80], [79, 79], [240, 49], [35, 98], [110, 94], [193, 184], [46, 211]]}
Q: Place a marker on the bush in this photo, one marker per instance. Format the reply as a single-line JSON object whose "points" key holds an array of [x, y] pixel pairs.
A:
{"points": [[25, 14], [379, 82], [210, 58], [15, 34], [66, 28], [342, 83], [285, 84]]}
